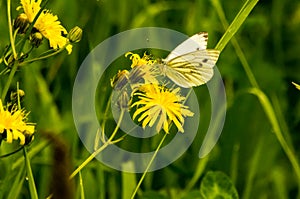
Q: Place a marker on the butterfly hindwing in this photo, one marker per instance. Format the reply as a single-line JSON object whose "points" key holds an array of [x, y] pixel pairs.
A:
{"points": [[192, 69], [190, 63]]}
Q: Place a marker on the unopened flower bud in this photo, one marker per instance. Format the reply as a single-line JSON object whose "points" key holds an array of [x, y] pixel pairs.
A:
{"points": [[10, 60], [19, 93], [75, 34], [36, 39], [124, 101], [119, 80], [21, 23], [29, 137]]}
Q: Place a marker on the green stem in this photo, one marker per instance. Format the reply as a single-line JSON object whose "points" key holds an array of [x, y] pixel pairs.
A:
{"points": [[269, 110], [11, 37], [32, 188], [148, 166], [236, 23], [105, 144], [81, 186], [199, 171], [8, 82], [101, 135], [41, 58], [234, 42], [266, 104], [88, 160]]}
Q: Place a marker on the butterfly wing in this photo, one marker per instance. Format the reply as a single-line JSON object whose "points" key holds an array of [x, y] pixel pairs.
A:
{"points": [[194, 43], [192, 69]]}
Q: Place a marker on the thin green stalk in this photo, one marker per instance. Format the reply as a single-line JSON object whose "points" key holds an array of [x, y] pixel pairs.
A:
{"points": [[8, 82], [265, 102], [41, 58], [148, 166], [81, 187], [236, 23], [99, 135], [32, 188], [269, 110], [105, 144], [238, 50], [199, 171], [11, 37], [253, 165], [234, 166], [88, 160], [16, 187]]}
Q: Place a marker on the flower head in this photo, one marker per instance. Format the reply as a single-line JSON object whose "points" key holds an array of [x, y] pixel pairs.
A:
{"points": [[138, 61], [142, 72], [142, 68], [47, 24], [13, 125], [157, 104]]}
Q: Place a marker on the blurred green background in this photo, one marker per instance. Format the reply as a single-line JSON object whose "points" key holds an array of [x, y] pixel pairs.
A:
{"points": [[247, 151]]}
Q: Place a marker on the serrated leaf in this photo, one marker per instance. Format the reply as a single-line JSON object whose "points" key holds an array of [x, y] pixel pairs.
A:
{"points": [[217, 185]]}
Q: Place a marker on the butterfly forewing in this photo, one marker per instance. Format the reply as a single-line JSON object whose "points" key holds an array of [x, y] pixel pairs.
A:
{"points": [[194, 43]]}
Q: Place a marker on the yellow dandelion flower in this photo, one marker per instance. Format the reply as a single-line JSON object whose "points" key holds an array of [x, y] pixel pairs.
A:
{"points": [[138, 61], [50, 27], [13, 125], [142, 69], [157, 104], [31, 8], [142, 73], [47, 24]]}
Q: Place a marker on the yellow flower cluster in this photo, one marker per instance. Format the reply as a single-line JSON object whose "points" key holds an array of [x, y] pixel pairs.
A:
{"points": [[13, 125], [138, 61], [142, 72], [155, 104], [47, 24]]}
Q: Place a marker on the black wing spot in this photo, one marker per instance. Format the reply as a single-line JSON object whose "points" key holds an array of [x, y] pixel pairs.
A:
{"points": [[204, 60], [200, 65]]}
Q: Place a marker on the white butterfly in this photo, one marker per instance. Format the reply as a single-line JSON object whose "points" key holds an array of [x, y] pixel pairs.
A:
{"points": [[190, 64]]}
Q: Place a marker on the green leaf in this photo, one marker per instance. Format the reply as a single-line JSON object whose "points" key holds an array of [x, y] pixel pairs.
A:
{"points": [[17, 185], [31, 183], [152, 195], [216, 185], [195, 194], [128, 180]]}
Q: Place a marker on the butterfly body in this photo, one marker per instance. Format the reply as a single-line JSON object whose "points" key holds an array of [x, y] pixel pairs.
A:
{"points": [[190, 64]]}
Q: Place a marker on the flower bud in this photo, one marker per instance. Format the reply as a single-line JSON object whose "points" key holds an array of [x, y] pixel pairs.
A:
{"points": [[19, 93], [119, 80], [75, 34], [10, 60], [36, 39], [21, 23], [124, 100], [29, 137]]}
